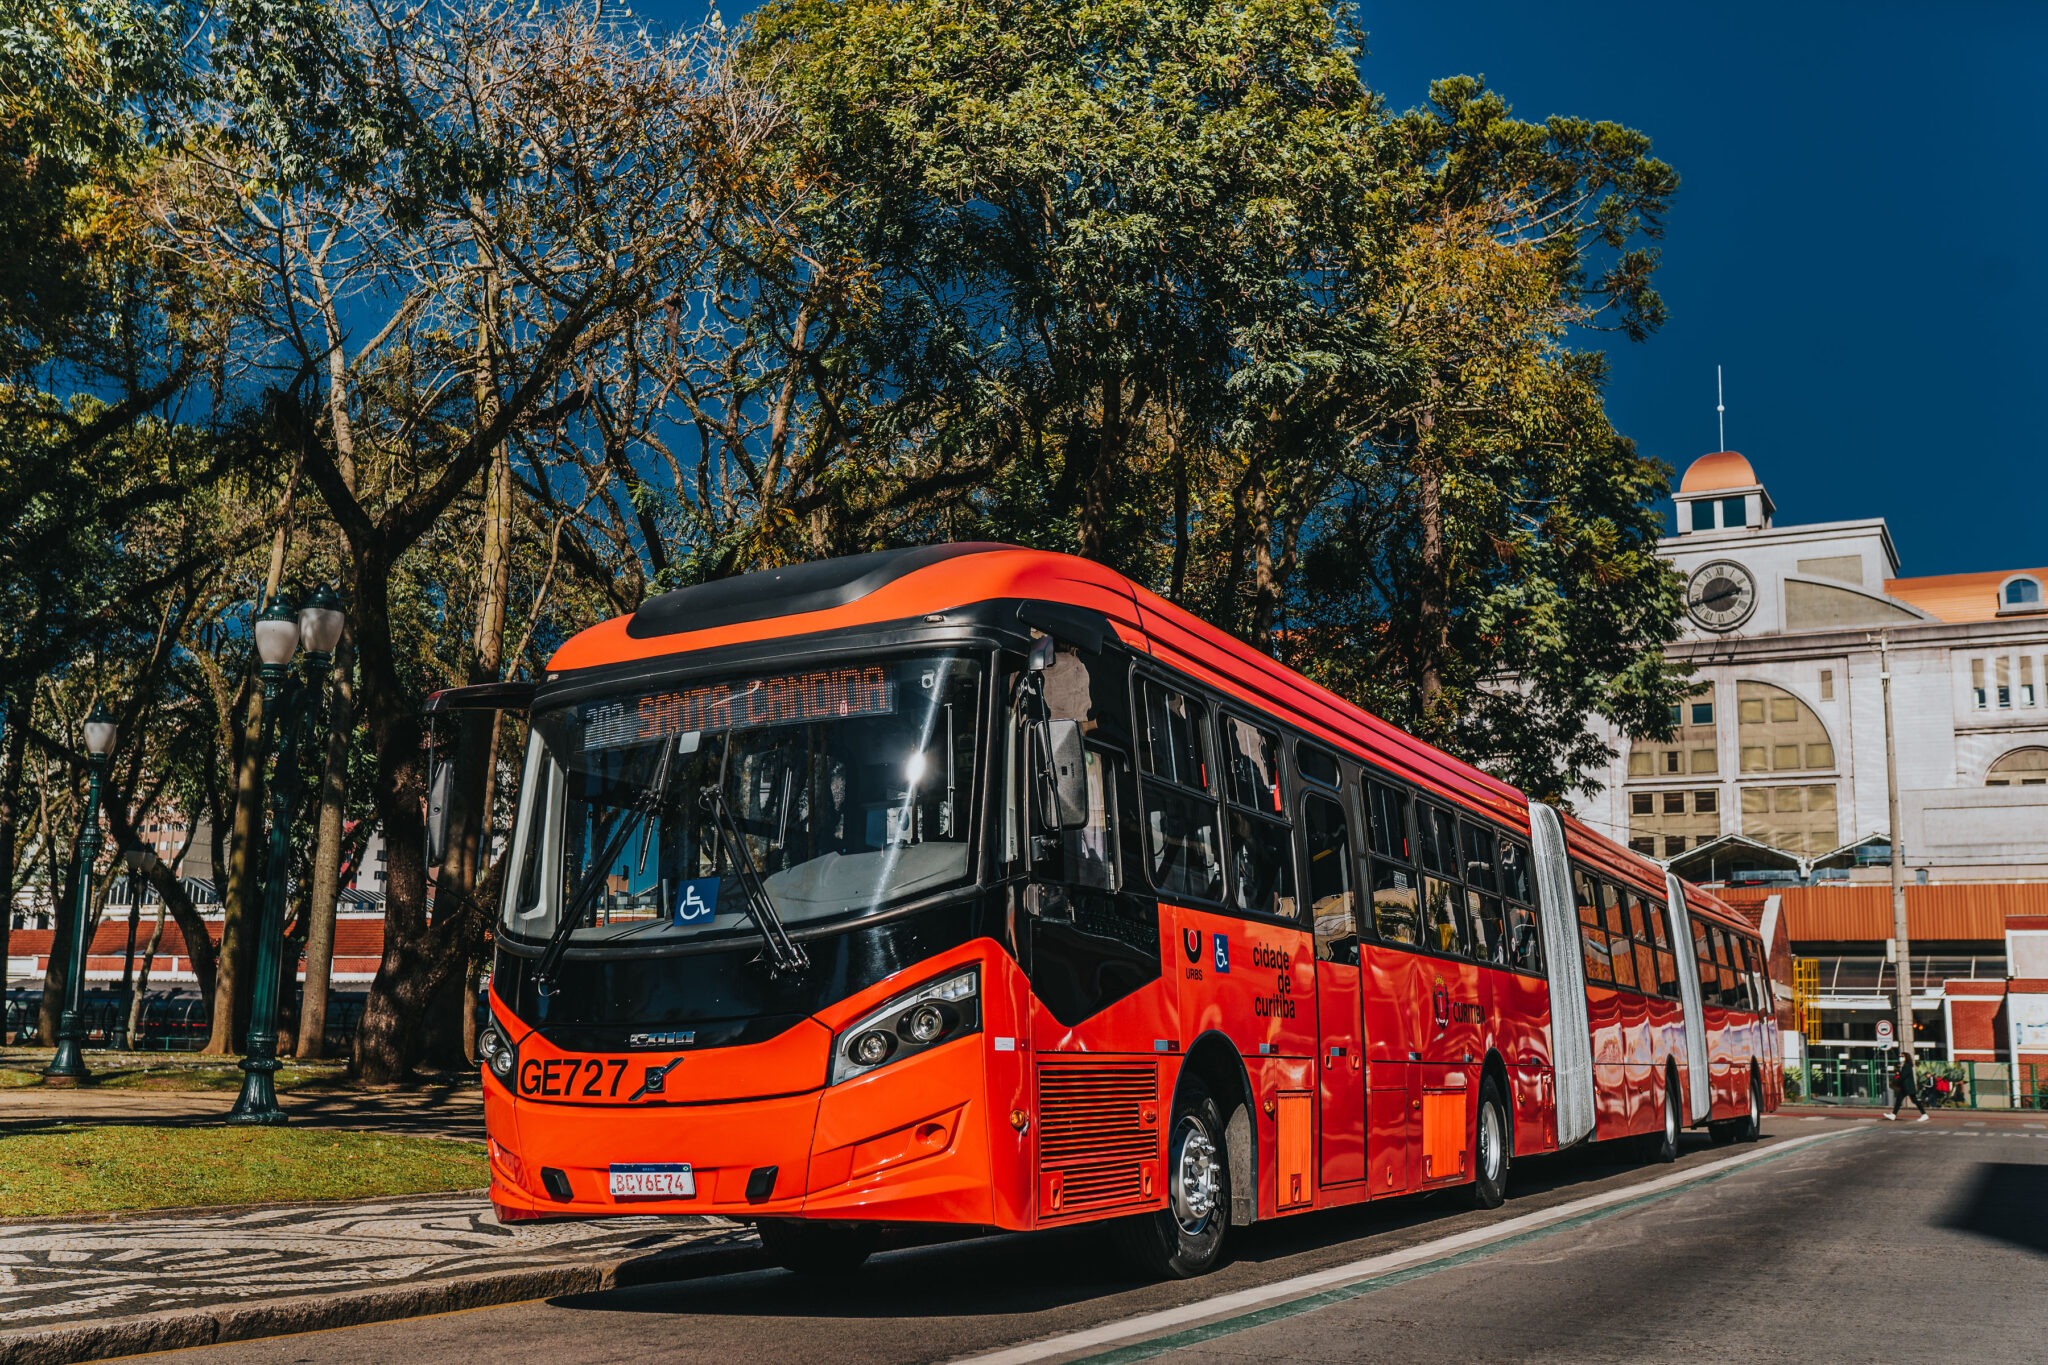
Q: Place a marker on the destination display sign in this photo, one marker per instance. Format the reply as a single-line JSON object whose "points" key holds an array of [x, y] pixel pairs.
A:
{"points": [[753, 703]]}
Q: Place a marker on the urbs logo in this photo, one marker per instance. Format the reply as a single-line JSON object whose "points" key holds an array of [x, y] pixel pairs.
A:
{"points": [[1191, 944]]}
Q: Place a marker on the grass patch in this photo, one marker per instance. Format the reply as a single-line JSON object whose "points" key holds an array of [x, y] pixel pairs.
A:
{"points": [[167, 1071], [56, 1171]]}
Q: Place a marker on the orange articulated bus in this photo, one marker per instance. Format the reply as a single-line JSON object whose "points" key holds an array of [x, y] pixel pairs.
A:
{"points": [[979, 886]]}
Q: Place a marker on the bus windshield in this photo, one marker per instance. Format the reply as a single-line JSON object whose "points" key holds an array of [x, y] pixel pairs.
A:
{"points": [[838, 791]]}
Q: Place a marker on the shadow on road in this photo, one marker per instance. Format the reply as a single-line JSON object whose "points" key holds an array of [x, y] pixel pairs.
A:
{"points": [[1009, 1274], [2005, 1202]]}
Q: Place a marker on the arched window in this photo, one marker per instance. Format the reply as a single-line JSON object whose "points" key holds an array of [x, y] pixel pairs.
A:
{"points": [[2021, 592], [2020, 768], [1778, 732]]}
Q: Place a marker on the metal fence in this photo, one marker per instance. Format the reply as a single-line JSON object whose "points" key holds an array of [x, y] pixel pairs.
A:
{"points": [[1969, 1085], [171, 1021]]}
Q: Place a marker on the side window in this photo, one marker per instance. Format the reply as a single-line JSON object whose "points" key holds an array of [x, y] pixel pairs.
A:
{"points": [[1254, 766], [1525, 937], [1438, 834], [1592, 933], [1396, 895], [1443, 914], [1486, 918], [1261, 845], [1514, 872], [1316, 765], [1646, 950], [1724, 973], [1183, 844], [1703, 962], [1660, 931], [1753, 974], [1091, 850], [1389, 811], [1332, 906], [1615, 911]]}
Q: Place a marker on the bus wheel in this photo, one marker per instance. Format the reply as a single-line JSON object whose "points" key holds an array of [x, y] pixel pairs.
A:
{"points": [[1662, 1145], [1751, 1128], [817, 1248], [1490, 1180], [1185, 1238], [1721, 1132]]}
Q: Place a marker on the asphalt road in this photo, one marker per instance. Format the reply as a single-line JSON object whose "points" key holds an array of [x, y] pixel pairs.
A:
{"points": [[1830, 1241]]}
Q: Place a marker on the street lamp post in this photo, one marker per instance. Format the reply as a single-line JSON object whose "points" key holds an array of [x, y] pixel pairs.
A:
{"points": [[287, 703], [67, 1066]]}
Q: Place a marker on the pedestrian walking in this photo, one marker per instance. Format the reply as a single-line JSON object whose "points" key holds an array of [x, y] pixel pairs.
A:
{"points": [[1902, 1088]]}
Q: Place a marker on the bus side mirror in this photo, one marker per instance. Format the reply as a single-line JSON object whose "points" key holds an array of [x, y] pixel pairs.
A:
{"points": [[1065, 787]]}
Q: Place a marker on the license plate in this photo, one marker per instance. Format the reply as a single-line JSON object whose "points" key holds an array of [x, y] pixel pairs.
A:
{"points": [[663, 1181]]}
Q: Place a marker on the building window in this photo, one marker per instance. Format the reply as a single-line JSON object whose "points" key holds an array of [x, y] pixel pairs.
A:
{"points": [[1796, 819], [1703, 515], [1645, 844], [1674, 844], [2003, 670], [1977, 683], [1778, 732], [1690, 748], [2026, 680], [1642, 803], [2022, 592], [1706, 802], [1674, 803], [2020, 768], [1827, 684], [1734, 512]]}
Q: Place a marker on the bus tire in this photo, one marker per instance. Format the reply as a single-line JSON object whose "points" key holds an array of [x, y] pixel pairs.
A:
{"points": [[1185, 1238], [1661, 1146], [1750, 1126], [817, 1249], [1490, 1142]]}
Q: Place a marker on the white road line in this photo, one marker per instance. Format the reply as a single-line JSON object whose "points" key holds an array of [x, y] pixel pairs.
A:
{"points": [[1223, 1305]]}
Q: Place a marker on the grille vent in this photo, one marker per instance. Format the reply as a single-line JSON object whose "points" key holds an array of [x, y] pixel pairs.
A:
{"points": [[1098, 1137]]}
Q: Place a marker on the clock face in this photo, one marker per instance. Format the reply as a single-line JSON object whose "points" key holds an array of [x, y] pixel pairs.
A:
{"points": [[1720, 595]]}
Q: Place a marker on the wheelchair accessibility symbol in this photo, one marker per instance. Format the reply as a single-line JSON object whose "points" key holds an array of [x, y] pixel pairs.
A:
{"points": [[698, 904]]}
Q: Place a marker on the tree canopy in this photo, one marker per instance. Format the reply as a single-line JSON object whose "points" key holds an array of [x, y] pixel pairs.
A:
{"points": [[502, 315]]}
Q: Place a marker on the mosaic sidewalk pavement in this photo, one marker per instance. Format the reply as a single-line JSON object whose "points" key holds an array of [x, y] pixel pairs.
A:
{"points": [[57, 1273]]}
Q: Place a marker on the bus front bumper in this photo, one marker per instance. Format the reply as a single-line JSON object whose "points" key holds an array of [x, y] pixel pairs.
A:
{"points": [[907, 1143]]}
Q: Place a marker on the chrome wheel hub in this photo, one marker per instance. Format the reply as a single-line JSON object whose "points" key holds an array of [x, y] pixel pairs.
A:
{"points": [[1490, 1145], [1197, 1179]]}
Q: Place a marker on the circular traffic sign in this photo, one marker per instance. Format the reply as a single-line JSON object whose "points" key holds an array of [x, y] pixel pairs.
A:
{"points": [[1884, 1030]]}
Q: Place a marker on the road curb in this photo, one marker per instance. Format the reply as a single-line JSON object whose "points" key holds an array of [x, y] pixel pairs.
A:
{"points": [[383, 1303]]}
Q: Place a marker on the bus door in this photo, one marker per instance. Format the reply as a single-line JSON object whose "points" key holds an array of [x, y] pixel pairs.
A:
{"points": [[1334, 905]]}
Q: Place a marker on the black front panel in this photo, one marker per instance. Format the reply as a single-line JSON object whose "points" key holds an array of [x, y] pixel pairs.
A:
{"points": [[726, 997]]}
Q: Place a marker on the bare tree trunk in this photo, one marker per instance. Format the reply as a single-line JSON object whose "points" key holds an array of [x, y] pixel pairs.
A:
{"points": [[1179, 589], [1095, 499], [327, 866], [238, 903], [11, 759], [1435, 621], [61, 966], [136, 1001]]}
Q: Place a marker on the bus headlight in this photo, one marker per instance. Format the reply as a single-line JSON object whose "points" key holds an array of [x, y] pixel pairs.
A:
{"points": [[934, 1013], [497, 1052]]}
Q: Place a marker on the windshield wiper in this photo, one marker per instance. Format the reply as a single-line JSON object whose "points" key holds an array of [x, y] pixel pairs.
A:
{"points": [[648, 807], [784, 953]]}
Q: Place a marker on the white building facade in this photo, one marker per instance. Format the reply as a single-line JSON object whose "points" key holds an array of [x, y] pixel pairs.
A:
{"points": [[1777, 768]]}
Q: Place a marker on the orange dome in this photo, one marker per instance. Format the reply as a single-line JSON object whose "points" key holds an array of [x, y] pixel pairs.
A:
{"points": [[1711, 473]]}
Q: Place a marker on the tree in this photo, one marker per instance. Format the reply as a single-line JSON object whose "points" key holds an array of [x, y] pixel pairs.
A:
{"points": [[442, 215]]}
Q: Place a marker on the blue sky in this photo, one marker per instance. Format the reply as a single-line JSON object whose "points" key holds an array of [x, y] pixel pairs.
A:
{"points": [[1855, 239]]}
